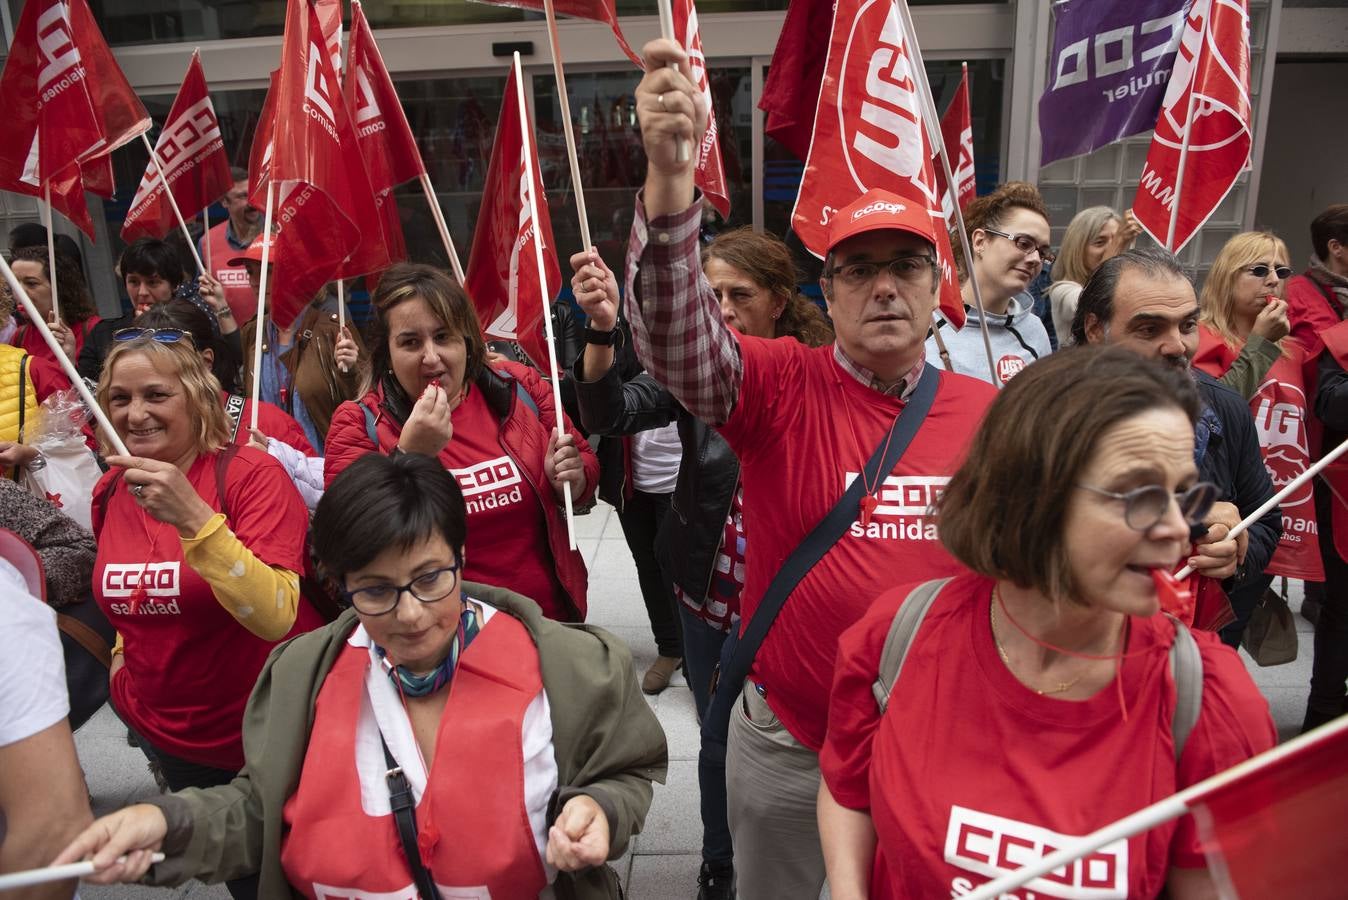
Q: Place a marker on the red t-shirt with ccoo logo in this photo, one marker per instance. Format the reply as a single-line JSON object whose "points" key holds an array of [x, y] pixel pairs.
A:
{"points": [[999, 775], [792, 428]]}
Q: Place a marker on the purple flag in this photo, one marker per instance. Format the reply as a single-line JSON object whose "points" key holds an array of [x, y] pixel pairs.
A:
{"points": [[1111, 61]]}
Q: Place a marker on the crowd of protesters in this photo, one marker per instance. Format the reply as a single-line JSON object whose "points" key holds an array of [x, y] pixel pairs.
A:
{"points": [[916, 577]]}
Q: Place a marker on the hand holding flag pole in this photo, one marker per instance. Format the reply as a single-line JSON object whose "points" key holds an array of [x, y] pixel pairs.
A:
{"points": [[173, 202], [685, 150], [48, 874]]}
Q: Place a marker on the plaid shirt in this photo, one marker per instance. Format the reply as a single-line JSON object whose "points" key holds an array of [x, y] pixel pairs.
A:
{"points": [[676, 321]]}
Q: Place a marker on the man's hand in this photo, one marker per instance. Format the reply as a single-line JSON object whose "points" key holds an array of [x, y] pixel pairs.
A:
{"points": [[1228, 514], [670, 108], [580, 837], [1215, 554], [596, 289]]}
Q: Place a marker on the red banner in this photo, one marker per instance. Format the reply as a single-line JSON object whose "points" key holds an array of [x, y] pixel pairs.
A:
{"points": [[323, 203], [710, 174], [957, 133], [792, 86], [330, 24], [192, 154], [596, 10], [502, 276], [260, 154], [1204, 124], [868, 134]]}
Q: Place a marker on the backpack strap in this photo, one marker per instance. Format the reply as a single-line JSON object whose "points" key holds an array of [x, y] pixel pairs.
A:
{"points": [[527, 399], [371, 431], [1186, 667], [222, 461], [23, 401], [234, 409], [900, 638]]}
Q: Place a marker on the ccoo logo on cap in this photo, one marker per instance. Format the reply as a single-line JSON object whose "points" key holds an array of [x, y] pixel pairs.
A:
{"points": [[880, 210]]}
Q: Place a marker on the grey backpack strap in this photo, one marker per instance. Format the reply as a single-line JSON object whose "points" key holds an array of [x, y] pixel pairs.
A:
{"points": [[1186, 667], [900, 637]]}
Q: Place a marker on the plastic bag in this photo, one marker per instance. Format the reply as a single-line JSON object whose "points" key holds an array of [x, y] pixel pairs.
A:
{"points": [[66, 470]]}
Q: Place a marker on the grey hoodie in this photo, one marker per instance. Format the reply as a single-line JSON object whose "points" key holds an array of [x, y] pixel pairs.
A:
{"points": [[1018, 339]]}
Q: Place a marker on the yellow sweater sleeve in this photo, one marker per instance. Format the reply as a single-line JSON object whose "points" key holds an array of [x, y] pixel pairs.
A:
{"points": [[264, 599]]}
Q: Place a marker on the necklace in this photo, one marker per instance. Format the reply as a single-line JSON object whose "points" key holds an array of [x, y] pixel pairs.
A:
{"points": [[868, 501], [1006, 659]]}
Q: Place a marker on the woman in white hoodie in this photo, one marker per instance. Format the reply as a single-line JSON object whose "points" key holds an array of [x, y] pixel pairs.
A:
{"points": [[1009, 234]]}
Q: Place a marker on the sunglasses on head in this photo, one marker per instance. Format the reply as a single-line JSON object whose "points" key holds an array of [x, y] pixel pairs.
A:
{"points": [[1261, 271], [160, 335]]}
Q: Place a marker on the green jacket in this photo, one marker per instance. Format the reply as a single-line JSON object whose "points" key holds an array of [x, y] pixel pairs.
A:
{"points": [[609, 745]]}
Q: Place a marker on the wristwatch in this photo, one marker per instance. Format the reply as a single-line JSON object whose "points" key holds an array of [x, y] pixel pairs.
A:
{"points": [[603, 338]]}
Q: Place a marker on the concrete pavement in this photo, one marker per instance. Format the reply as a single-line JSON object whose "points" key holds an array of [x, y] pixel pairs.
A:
{"points": [[664, 860]]}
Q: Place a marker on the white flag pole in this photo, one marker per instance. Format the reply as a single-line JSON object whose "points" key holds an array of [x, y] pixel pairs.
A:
{"points": [[1179, 174], [49, 218], [526, 133], [576, 189], [60, 356], [206, 241], [261, 327], [685, 150], [49, 874], [1158, 813], [1292, 486], [173, 202], [341, 314], [933, 128], [439, 216]]}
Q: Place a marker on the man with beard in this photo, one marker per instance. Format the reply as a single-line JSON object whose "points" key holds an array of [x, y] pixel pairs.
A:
{"points": [[1142, 301]]}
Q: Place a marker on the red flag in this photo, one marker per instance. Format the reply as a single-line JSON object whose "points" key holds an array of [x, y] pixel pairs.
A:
{"points": [[710, 174], [792, 86], [323, 202], [502, 276], [192, 154], [1204, 121], [330, 23], [120, 114], [957, 133], [868, 133], [263, 148], [1278, 831], [596, 10], [386, 141]]}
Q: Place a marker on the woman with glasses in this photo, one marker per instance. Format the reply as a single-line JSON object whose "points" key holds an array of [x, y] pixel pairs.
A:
{"points": [[444, 735], [1008, 232], [491, 424], [200, 546], [1054, 696], [1094, 235]]}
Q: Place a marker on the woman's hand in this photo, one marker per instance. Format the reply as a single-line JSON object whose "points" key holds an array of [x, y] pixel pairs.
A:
{"points": [[579, 838], [14, 454], [563, 465], [64, 336], [1272, 324], [345, 350], [596, 289], [135, 832], [257, 440], [213, 293], [163, 491], [1128, 232], [429, 428]]}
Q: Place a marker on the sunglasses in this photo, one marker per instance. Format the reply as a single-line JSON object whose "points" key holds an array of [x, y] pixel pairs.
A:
{"points": [[1261, 271], [160, 335], [1145, 507]]}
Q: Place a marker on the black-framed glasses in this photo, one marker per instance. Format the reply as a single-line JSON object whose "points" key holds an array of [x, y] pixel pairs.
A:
{"points": [[1027, 244], [1260, 270], [430, 587], [1144, 507], [159, 335], [903, 268]]}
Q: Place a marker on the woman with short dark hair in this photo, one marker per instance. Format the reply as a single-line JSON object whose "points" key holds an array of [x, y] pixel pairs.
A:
{"points": [[1043, 683], [520, 747]]}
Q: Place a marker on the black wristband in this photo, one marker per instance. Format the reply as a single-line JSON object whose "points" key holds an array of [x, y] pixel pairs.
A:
{"points": [[602, 338]]}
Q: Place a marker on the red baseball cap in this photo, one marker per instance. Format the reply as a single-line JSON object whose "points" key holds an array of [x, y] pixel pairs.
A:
{"points": [[254, 253], [880, 210]]}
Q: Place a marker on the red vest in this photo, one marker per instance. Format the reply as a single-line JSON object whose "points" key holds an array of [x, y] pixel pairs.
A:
{"points": [[1336, 473], [240, 297], [472, 826]]}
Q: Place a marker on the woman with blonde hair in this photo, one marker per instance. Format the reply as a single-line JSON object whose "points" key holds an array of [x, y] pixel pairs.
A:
{"points": [[1094, 235], [1242, 305]]}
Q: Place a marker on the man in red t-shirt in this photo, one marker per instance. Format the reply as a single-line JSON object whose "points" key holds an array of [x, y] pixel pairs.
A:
{"points": [[803, 421], [227, 241]]}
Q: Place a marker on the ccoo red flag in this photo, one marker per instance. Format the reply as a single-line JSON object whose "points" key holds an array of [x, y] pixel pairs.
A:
{"points": [[710, 173], [330, 24], [386, 142], [192, 154], [263, 148], [868, 133], [502, 276], [323, 202], [596, 10], [1204, 123], [957, 133], [792, 86]]}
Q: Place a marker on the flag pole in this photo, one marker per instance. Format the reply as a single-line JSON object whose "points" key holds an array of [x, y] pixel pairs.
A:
{"points": [[525, 133], [49, 219], [48, 874], [684, 150], [567, 129], [60, 356], [341, 313], [439, 216], [1158, 813], [173, 202], [261, 305], [1179, 174], [932, 123], [206, 241]]}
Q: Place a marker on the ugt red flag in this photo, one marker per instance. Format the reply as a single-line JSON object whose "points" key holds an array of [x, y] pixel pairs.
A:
{"points": [[1278, 831], [502, 277], [324, 207], [192, 154], [792, 86], [1204, 121], [596, 10], [386, 142], [957, 133], [868, 133], [710, 174]]}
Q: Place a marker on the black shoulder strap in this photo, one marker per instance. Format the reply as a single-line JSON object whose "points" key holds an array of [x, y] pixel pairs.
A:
{"points": [[234, 409], [817, 543], [405, 815], [23, 399], [222, 462]]}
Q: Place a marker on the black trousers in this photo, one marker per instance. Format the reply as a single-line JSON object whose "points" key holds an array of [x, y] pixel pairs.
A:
{"points": [[641, 517], [1329, 671]]}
